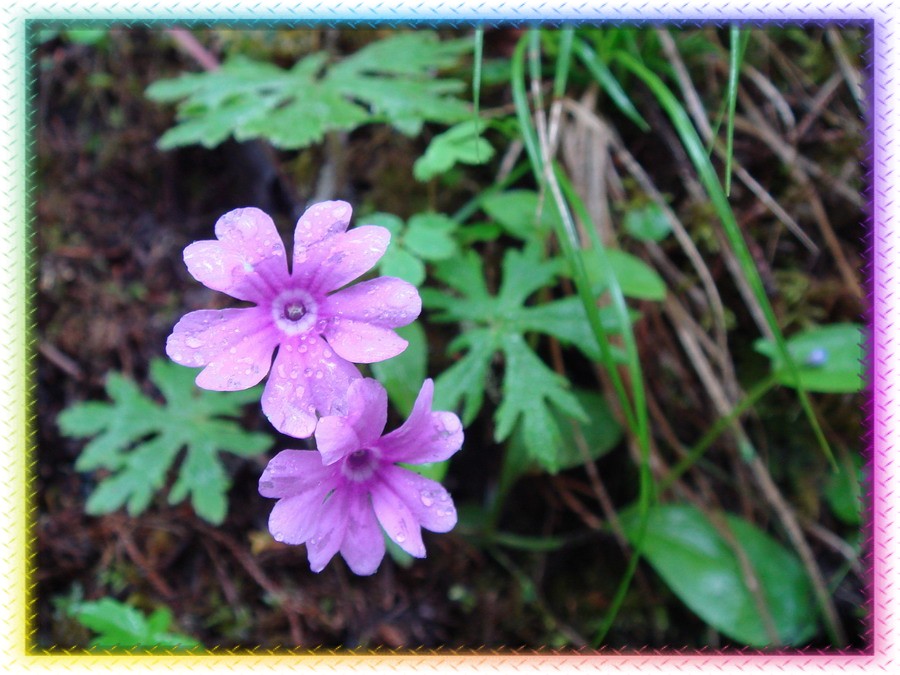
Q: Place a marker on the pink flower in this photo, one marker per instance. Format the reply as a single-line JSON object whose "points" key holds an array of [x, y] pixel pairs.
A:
{"points": [[339, 498], [318, 332]]}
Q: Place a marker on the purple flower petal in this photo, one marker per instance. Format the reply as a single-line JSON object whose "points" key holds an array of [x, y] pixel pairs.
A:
{"points": [[363, 545], [292, 472], [318, 224], [294, 519], [331, 524], [361, 318], [429, 502], [307, 377], [247, 260], [396, 518], [383, 301], [235, 345], [338, 436], [425, 436], [342, 258]]}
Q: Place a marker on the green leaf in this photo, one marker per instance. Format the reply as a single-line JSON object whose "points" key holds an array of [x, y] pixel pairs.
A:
{"points": [[137, 440], [522, 213], [828, 358], [430, 236], [460, 144], [843, 492], [121, 626], [534, 397], [295, 108], [463, 382], [402, 376], [701, 568], [636, 278], [647, 222], [426, 237], [596, 436], [529, 389], [400, 263]]}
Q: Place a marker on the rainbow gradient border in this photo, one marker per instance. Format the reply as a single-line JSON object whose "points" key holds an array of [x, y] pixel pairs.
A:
{"points": [[17, 351]]}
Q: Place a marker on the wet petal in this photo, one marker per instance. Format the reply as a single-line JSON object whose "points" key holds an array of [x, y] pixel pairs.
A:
{"points": [[364, 343], [426, 436], [385, 301], [428, 500], [307, 379], [396, 518], [338, 436], [360, 318], [363, 545], [335, 438], [343, 258], [235, 345], [293, 472], [318, 224], [330, 528], [294, 519], [247, 261]]}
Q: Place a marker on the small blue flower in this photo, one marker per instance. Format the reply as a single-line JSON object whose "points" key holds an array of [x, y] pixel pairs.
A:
{"points": [[817, 357]]}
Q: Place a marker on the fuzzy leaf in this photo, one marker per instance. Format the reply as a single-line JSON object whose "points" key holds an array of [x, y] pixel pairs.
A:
{"points": [[138, 440]]}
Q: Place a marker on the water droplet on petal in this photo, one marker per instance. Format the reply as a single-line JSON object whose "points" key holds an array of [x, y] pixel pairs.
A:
{"points": [[194, 343], [319, 374], [427, 497], [278, 536], [327, 354]]}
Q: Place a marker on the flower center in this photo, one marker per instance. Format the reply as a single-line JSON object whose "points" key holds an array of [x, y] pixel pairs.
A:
{"points": [[360, 464], [294, 311]]}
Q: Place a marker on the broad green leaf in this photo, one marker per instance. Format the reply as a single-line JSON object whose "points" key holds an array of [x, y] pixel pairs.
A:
{"points": [[522, 213], [828, 358], [460, 144], [637, 279], [402, 376], [702, 569], [296, 107], [647, 222], [121, 626], [138, 440]]}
